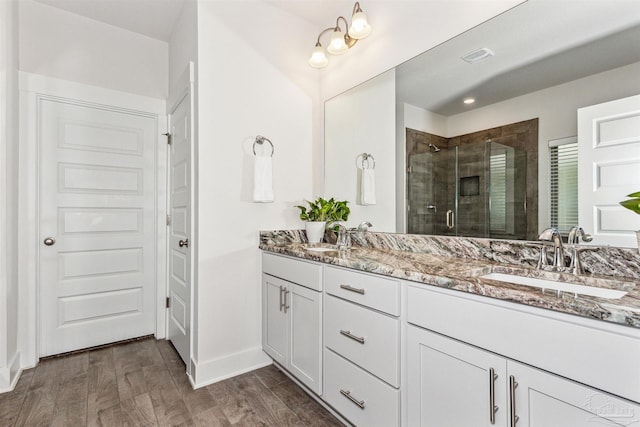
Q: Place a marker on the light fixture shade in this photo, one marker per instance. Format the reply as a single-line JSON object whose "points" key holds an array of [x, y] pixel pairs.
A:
{"points": [[360, 28], [337, 44], [318, 58]]}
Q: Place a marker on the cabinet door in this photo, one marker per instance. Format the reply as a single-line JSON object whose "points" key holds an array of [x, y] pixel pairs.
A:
{"points": [[304, 308], [274, 318], [451, 384], [543, 400]]}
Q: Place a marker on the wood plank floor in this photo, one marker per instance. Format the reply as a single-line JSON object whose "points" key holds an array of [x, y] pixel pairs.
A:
{"points": [[143, 383]]}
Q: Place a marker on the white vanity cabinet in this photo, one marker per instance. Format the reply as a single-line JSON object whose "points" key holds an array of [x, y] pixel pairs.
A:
{"points": [[292, 317], [362, 347], [454, 383]]}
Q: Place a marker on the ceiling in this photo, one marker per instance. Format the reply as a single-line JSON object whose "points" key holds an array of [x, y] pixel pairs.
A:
{"points": [[580, 38], [152, 18]]}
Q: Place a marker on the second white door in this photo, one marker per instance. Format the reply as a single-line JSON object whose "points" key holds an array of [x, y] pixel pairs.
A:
{"points": [[179, 251]]}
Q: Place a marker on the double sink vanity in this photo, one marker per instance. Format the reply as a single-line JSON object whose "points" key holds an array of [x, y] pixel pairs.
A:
{"points": [[403, 330]]}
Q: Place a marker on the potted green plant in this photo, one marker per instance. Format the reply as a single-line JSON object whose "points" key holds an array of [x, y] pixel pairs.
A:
{"points": [[633, 204], [320, 212]]}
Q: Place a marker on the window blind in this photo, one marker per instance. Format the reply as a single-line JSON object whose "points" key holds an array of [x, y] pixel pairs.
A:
{"points": [[564, 183], [498, 192]]}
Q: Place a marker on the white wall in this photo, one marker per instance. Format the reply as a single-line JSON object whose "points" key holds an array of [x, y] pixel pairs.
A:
{"points": [[9, 356], [247, 85], [373, 132], [183, 45], [60, 44], [556, 107]]}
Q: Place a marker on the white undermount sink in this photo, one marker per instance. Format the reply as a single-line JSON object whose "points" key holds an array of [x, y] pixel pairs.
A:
{"points": [[319, 249], [556, 286]]}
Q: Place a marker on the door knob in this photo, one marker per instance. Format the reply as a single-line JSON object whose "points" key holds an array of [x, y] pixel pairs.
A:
{"points": [[183, 243], [49, 241]]}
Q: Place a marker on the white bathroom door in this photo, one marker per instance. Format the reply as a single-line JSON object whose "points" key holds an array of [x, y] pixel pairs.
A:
{"points": [[180, 242], [608, 170], [97, 221]]}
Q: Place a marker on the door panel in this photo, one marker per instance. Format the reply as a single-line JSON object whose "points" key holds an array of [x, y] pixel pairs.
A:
{"points": [[274, 319], [180, 129], [305, 323], [97, 200], [608, 164], [543, 399], [451, 384]]}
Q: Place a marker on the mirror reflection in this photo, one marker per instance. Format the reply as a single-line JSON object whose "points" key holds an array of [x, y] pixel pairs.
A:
{"points": [[495, 167]]}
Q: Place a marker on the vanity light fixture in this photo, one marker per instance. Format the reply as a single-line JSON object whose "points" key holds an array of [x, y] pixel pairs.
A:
{"points": [[341, 41]]}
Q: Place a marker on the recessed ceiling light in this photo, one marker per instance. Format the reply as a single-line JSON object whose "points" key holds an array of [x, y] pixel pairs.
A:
{"points": [[469, 100], [477, 55]]}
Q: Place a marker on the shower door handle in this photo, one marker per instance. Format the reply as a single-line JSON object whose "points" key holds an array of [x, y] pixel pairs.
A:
{"points": [[450, 219]]}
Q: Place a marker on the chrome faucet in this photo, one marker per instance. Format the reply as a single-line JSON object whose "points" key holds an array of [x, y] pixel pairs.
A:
{"points": [[364, 226], [576, 233], [343, 241], [552, 235]]}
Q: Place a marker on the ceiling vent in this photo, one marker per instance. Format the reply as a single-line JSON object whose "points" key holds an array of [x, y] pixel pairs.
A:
{"points": [[477, 55]]}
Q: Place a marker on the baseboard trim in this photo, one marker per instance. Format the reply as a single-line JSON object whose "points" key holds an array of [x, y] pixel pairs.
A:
{"points": [[222, 368], [10, 374]]}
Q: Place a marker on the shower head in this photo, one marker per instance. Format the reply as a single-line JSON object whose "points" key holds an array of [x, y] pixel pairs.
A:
{"points": [[435, 147]]}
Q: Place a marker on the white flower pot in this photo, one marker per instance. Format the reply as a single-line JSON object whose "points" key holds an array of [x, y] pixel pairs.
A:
{"points": [[315, 231]]}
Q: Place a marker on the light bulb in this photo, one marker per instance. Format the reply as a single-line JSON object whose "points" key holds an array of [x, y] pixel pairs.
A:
{"points": [[318, 58], [337, 44], [360, 28]]}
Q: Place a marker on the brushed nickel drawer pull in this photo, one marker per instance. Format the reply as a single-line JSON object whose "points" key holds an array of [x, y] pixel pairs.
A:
{"points": [[348, 334], [347, 394], [286, 305], [512, 400], [282, 304], [493, 408], [352, 289]]}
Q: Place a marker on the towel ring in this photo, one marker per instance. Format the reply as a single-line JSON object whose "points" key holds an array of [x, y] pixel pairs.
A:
{"points": [[365, 158], [260, 140]]}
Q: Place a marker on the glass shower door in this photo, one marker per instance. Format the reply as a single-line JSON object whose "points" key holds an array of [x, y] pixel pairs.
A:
{"points": [[431, 188]]}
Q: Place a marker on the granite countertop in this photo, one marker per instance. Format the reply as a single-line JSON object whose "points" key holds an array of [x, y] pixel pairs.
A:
{"points": [[462, 274]]}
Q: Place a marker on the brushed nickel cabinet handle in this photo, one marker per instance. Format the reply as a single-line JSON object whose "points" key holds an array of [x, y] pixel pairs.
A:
{"points": [[512, 400], [352, 289], [492, 395], [348, 334], [281, 297], [347, 394], [286, 305]]}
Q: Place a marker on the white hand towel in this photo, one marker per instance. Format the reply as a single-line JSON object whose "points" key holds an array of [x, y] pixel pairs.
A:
{"points": [[262, 180], [368, 187]]}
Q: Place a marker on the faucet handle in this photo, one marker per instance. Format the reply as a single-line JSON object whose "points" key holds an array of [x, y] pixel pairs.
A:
{"points": [[576, 266]]}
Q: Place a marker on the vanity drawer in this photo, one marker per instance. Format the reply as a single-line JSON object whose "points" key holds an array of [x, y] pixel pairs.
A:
{"points": [[376, 292], [374, 402], [366, 337], [307, 274]]}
